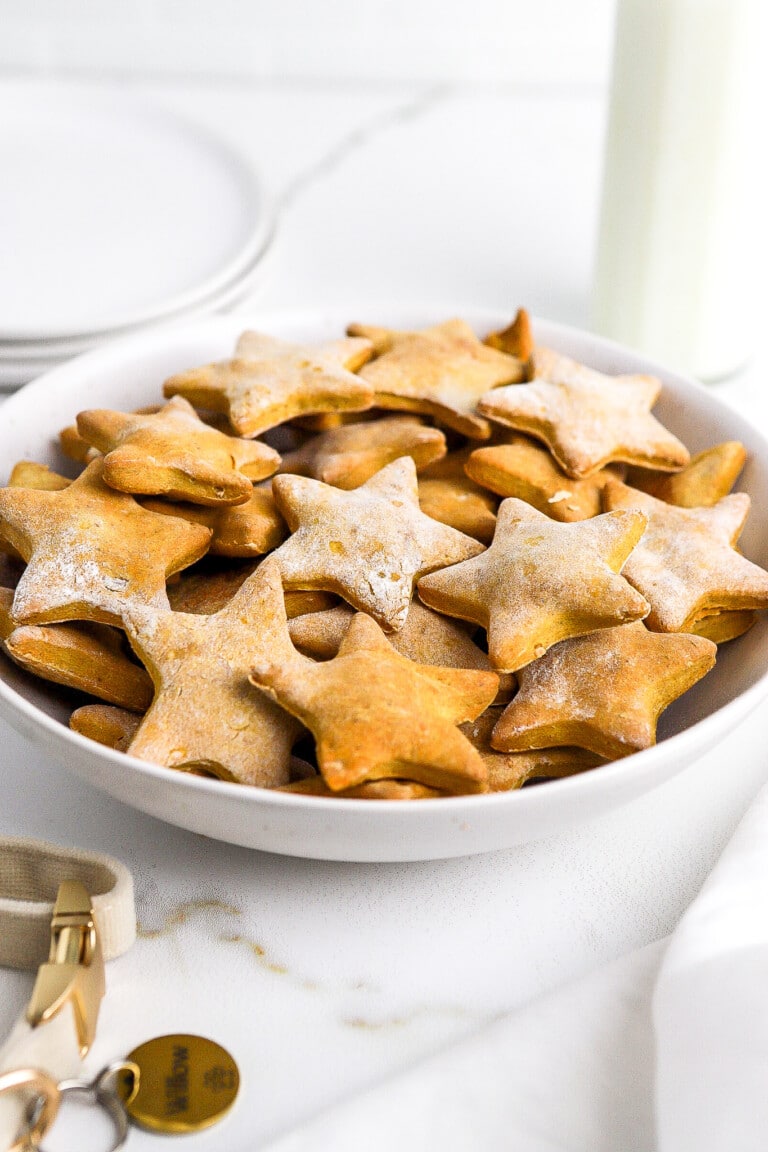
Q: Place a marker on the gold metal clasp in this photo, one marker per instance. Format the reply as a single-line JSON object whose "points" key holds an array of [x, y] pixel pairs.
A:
{"points": [[74, 973]]}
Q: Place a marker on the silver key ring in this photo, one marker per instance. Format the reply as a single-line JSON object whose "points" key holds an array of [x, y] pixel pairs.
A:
{"points": [[103, 1092]]}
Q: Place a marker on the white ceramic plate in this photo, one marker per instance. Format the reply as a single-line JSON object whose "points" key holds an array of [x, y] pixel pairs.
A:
{"points": [[128, 374], [113, 212], [16, 369]]}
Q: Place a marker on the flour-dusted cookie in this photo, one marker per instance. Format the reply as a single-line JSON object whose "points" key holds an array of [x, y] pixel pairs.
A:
{"points": [[376, 714], [173, 453], [510, 770], [113, 727], [28, 474], [348, 456], [710, 475], [91, 551], [205, 714], [586, 419], [540, 582], [603, 692], [426, 637], [239, 530], [368, 545], [81, 656], [525, 469], [442, 371], [686, 564], [271, 381]]}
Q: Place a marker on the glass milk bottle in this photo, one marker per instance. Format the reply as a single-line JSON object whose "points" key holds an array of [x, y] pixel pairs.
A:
{"points": [[673, 261]]}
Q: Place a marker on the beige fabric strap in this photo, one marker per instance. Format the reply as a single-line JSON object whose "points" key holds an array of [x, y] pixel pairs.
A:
{"points": [[30, 874]]}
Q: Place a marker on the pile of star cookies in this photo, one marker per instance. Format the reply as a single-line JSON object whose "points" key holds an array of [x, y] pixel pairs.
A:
{"points": [[398, 565]]}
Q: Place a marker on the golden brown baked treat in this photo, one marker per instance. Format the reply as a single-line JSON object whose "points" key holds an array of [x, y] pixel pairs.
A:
{"points": [[686, 565], [516, 339], [91, 551], [369, 545], [461, 505], [457, 497], [74, 447], [28, 474], [239, 530], [113, 727], [603, 692], [173, 453], [586, 419], [271, 381], [426, 637], [710, 475], [372, 790], [442, 371], [376, 714], [349, 455], [206, 589], [510, 770], [80, 656], [720, 627], [541, 582], [205, 714], [525, 469]]}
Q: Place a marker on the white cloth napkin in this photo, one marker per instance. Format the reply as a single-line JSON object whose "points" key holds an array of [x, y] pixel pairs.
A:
{"points": [[665, 1050]]}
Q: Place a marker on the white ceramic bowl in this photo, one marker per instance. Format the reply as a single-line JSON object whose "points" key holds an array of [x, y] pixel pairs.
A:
{"points": [[129, 373]]}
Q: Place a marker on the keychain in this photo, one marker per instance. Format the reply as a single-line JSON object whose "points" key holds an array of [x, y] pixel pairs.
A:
{"points": [[171, 1084]]}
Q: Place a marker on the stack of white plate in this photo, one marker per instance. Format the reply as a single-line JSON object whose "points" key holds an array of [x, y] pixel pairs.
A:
{"points": [[115, 216]]}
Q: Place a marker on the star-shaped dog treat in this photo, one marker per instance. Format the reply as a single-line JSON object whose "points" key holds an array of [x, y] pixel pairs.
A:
{"points": [[91, 551], [540, 582], [348, 456], [270, 381], [709, 476], [375, 714], [686, 565], [587, 419], [28, 474], [442, 371], [603, 692], [239, 530], [205, 713], [525, 469], [173, 453], [369, 545], [114, 727], [510, 770], [516, 339], [87, 657]]}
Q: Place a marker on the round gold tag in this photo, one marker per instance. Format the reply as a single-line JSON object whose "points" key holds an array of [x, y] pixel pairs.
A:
{"points": [[186, 1083]]}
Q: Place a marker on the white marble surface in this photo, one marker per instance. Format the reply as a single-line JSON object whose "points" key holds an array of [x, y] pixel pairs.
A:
{"points": [[323, 977]]}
